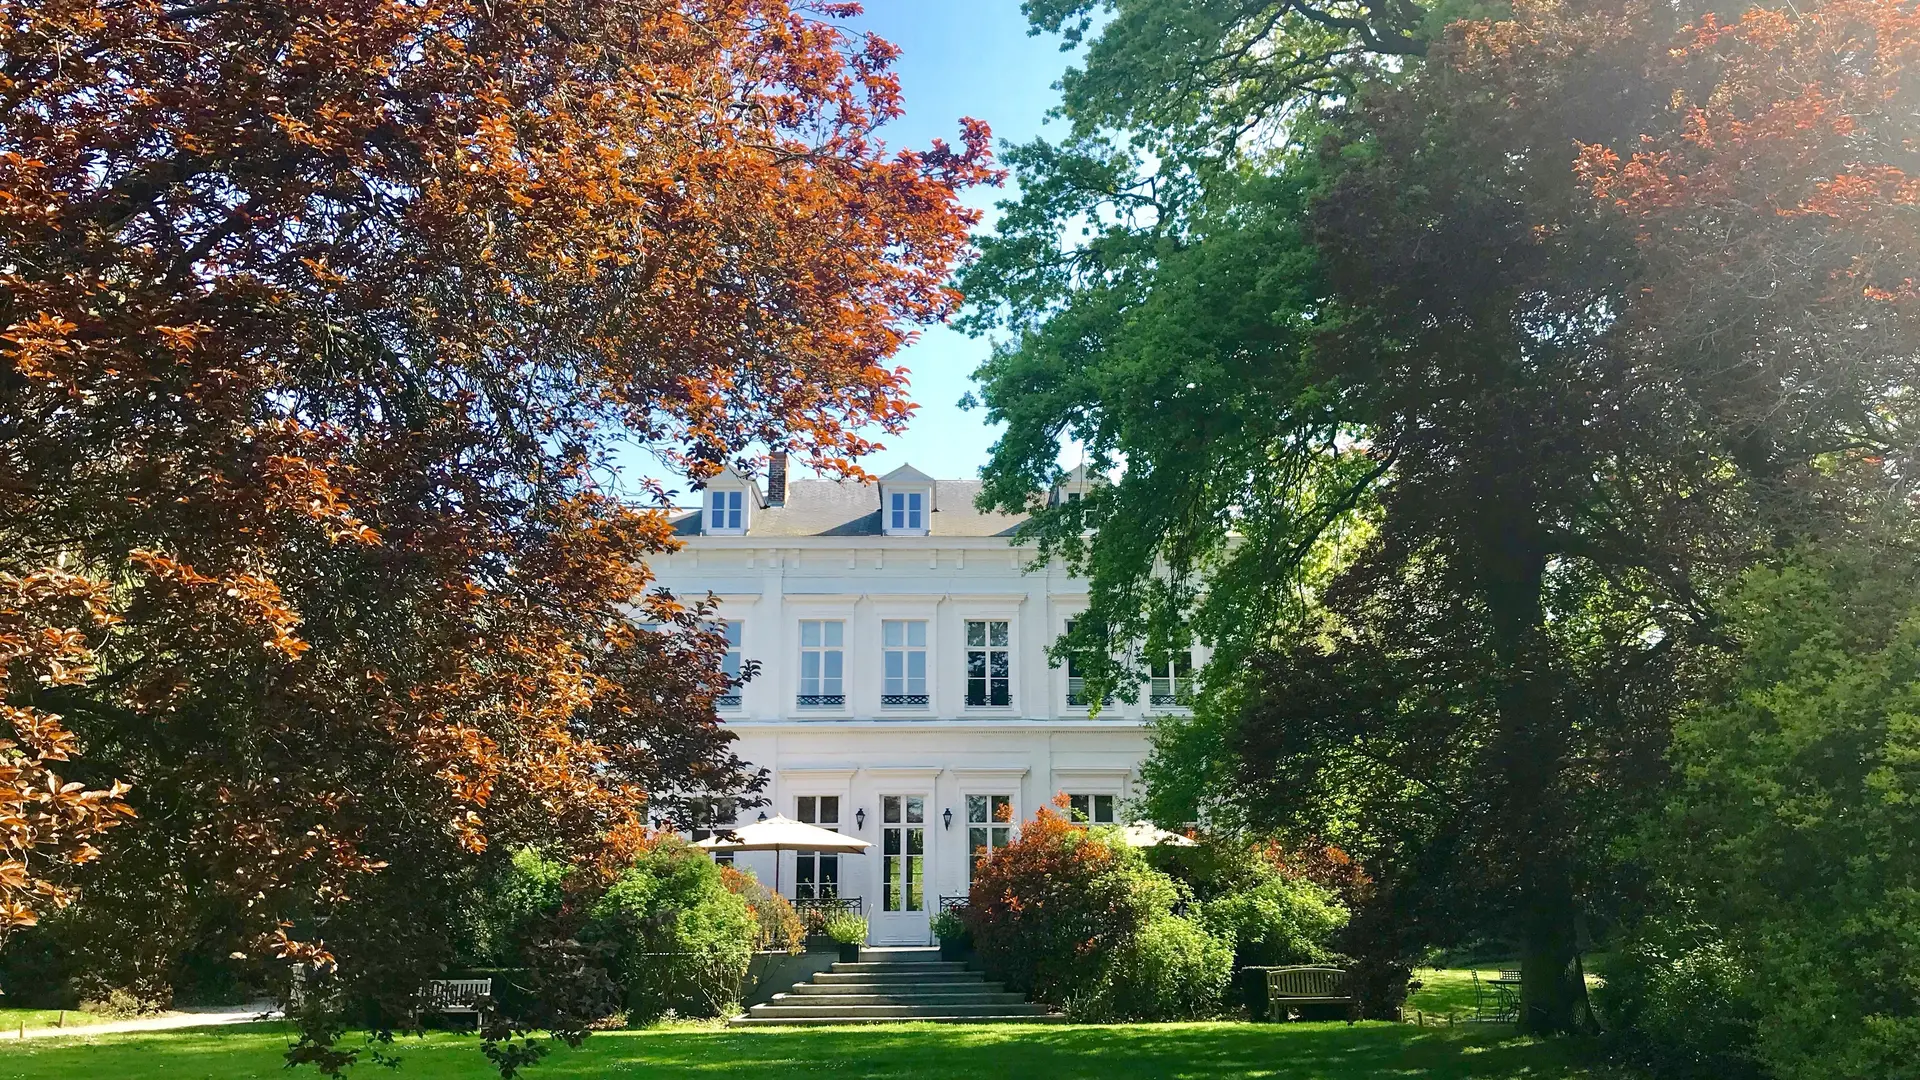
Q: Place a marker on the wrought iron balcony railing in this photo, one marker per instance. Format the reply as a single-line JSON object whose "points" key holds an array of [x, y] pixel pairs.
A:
{"points": [[903, 701], [820, 701]]}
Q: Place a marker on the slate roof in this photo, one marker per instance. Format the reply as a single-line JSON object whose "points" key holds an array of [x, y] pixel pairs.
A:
{"points": [[833, 508]]}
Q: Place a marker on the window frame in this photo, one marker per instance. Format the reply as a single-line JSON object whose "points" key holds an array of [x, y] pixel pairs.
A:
{"points": [[1090, 815], [999, 833], [903, 696], [987, 649], [1180, 686], [726, 511], [821, 697], [817, 861], [730, 664]]}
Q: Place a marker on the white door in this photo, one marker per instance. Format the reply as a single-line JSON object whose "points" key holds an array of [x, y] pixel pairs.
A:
{"points": [[901, 918]]}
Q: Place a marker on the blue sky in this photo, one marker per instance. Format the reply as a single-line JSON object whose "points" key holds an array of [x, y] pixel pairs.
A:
{"points": [[959, 58]]}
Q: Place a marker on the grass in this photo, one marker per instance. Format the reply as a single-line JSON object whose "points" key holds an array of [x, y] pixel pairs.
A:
{"points": [[1446, 991], [1219, 1051], [11, 1019]]}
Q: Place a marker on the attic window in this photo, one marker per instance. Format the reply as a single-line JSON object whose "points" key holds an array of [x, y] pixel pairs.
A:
{"points": [[727, 511], [905, 515]]}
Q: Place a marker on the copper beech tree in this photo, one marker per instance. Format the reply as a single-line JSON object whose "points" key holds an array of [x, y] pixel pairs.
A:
{"points": [[326, 326]]}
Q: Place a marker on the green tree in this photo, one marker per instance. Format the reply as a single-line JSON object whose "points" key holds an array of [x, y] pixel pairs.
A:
{"points": [[1416, 434]]}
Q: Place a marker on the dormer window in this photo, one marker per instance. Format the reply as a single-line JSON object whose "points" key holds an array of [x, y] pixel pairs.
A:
{"points": [[907, 513], [727, 511]]}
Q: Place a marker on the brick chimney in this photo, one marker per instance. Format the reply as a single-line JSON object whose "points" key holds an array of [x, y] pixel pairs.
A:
{"points": [[777, 479]]}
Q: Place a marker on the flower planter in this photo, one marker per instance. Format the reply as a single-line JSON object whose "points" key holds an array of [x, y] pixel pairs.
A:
{"points": [[849, 954], [955, 949]]}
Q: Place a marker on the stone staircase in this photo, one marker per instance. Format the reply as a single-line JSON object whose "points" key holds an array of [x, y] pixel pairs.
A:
{"points": [[893, 986]]}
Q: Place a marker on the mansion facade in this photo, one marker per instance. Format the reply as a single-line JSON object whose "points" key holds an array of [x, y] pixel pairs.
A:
{"points": [[904, 693]]}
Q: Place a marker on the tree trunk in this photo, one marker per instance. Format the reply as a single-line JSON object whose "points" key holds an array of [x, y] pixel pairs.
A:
{"points": [[1528, 764]]}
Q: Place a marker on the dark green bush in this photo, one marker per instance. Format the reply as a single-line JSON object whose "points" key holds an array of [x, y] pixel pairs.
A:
{"points": [[1172, 969], [680, 939], [1678, 1000]]}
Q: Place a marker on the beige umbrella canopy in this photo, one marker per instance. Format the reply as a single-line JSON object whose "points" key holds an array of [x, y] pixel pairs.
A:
{"points": [[782, 834], [1147, 834]]}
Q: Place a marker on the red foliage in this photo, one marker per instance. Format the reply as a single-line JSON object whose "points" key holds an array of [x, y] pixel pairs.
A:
{"points": [[323, 327]]}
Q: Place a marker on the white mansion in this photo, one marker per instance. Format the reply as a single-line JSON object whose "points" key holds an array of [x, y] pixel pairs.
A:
{"points": [[904, 692]]}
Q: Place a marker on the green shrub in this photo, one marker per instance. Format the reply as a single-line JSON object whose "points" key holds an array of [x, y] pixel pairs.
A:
{"points": [[948, 927], [1792, 829], [1277, 921], [681, 941], [1173, 969], [1676, 997], [516, 903], [845, 927]]}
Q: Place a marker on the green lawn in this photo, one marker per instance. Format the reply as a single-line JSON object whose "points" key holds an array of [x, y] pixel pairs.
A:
{"points": [[1065, 1052], [1450, 990], [11, 1019]]}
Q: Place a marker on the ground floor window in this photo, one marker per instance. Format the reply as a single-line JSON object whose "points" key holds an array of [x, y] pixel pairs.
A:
{"points": [[989, 827], [817, 876], [1091, 809]]}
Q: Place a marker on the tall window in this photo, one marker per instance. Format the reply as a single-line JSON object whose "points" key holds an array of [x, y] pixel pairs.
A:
{"points": [[730, 665], [989, 827], [817, 876], [904, 643], [989, 663], [1077, 679], [1172, 680], [1091, 809], [724, 511], [822, 664], [903, 853], [708, 816], [906, 507]]}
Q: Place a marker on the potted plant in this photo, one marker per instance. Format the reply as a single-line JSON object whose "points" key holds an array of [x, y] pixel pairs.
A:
{"points": [[951, 930], [850, 931]]}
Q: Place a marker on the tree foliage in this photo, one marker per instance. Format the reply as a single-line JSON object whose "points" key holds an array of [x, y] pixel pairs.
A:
{"points": [[327, 328], [1445, 423]]}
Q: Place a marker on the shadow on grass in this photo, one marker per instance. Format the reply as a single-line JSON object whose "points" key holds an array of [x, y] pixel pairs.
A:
{"points": [[1211, 1051]]}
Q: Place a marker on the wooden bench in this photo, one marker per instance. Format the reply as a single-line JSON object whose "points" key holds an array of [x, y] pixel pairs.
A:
{"points": [[1306, 985], [459, 996]]}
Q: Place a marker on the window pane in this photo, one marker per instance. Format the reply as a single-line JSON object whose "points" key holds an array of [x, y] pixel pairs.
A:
{"points": [[977, 808], [976, 633], [916, 809], [999, 663], [893, 633], [917, 634], [1003, 808], [830, 681], [833, 631], [997, 633], [917, 673], [810, 634], [977, 665], [890, 808], [1077, 807], [829, 876], [829, 810], [1103, 808], [803, 809], [977, 841], [890, 841], [896, 671]]}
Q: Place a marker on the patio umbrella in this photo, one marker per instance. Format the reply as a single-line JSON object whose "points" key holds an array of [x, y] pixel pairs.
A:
{"points": [[1147, 834], [782, 834]]}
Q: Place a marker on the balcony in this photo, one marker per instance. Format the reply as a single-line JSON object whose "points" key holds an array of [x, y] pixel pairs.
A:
{"points": [[820, 701], [903, 701]]}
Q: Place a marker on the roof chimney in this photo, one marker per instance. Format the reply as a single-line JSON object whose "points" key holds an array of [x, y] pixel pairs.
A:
{"points": [[777, 478]]}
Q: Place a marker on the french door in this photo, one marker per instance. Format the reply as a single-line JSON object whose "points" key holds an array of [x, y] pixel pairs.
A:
{"points": [[902, 916]]}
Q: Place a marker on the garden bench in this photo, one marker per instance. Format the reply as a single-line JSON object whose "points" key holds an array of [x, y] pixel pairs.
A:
{"points": [[459, 996], [1307, 985]]}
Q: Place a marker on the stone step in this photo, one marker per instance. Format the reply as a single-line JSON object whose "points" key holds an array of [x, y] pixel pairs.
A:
{"points": [[899, 954], [976, 997], [903, 966], [830, 977], [980, 986], [894, 1012], [835, 1021]]}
